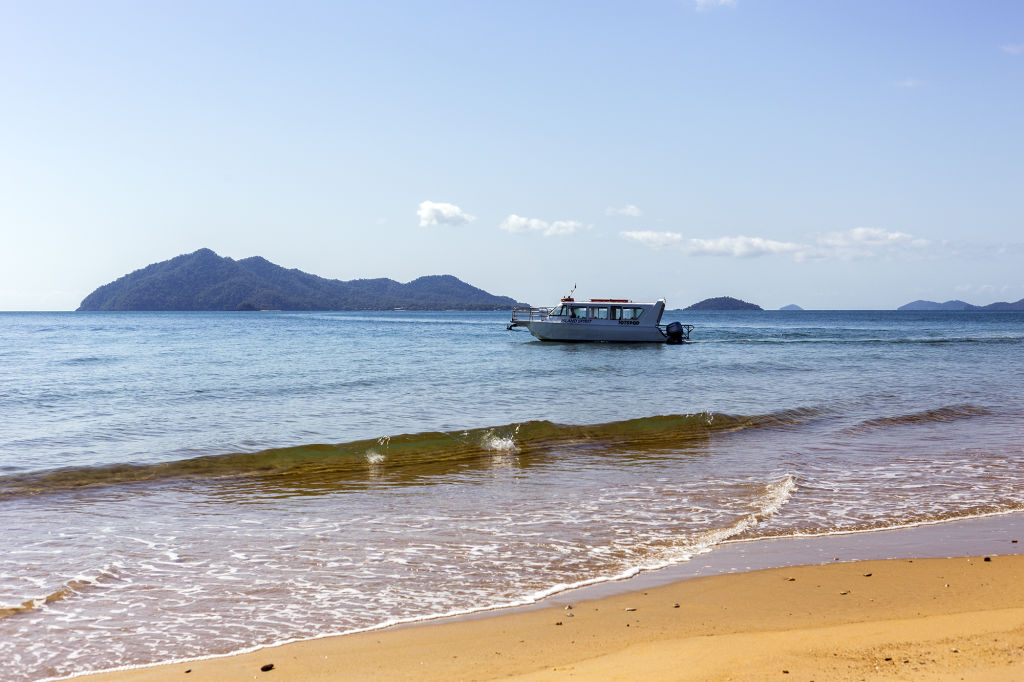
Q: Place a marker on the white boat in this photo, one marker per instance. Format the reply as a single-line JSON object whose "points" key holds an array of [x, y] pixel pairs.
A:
{"points": [[601, 319]]}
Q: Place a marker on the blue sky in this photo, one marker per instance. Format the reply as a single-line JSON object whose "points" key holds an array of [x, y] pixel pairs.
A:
{"points": [[831, 154]]}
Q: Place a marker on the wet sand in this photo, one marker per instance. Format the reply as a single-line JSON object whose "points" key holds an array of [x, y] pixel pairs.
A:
{"points": [[922, 618]]}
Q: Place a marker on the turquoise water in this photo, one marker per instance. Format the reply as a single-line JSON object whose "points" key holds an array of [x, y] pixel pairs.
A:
{"points": [[191, 484]]}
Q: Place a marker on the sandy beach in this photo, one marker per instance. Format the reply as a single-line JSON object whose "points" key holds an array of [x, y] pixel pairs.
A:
{"points": [[928, 619]]}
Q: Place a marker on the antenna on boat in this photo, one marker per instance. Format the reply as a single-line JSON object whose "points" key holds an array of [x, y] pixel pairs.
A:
{"points": [[569, 297]]}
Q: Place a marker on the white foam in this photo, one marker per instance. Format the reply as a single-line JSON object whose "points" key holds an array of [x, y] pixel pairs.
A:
{"points": [[776, 496], [499, 444], [878, 529]]}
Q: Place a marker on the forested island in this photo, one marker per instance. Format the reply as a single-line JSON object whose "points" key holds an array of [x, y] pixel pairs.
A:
{"points": [[204, 280], [963, 305], [723, 303]]}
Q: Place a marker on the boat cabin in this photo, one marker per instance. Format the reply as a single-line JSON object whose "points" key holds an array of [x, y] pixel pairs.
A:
{"points": [[596, 310]]}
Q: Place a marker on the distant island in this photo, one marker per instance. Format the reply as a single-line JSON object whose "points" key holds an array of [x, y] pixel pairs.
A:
{"points": [[723, 303], [961, 305], [205, 281], [791, 306]]}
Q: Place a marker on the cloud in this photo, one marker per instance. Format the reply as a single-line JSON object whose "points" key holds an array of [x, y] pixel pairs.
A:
{"points": [[565, 227], [627, 210], [434, 213], [857, 243], [867, 242], [739, 247], [872, 236], [1011, 290], [910, 83], [515, 223], [703, 5], [1013, 48]]}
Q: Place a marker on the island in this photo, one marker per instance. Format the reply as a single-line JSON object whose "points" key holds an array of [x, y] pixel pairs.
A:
{"points": [[203, 280], [791, 306], [723, 303], [958, 305]]}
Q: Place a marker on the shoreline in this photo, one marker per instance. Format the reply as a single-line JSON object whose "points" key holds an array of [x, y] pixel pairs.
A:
{"points": [[743, 563]]}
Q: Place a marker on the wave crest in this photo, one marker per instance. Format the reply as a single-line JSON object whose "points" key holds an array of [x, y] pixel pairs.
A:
{"points": [[68, 589], [407, 456], [942, 414]]}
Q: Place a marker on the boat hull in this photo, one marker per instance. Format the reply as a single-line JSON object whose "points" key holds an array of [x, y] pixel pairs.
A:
{"points": [[596, 331]]}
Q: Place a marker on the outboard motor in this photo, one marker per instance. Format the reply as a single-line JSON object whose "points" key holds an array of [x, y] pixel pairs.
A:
{"points": [[675, 333]]}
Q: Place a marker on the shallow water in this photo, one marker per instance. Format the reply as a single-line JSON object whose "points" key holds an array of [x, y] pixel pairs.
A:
{"points": [[180, 485]]}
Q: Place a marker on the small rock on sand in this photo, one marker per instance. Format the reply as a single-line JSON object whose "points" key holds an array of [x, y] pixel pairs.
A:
{"points": [[267, 668]]}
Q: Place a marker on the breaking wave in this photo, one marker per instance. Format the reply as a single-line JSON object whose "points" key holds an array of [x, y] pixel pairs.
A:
{"points": [[68, 589], [942, 414], [416, 454]]}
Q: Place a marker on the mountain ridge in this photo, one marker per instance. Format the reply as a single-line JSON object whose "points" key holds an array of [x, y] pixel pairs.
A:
{"points": [[958, 305], [203, 280]]}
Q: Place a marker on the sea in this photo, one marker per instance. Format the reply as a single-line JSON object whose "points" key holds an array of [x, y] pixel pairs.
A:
{"points": [[184, 485]]}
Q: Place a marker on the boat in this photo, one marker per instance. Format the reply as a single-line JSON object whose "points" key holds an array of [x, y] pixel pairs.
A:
{"points": [[600, 319]]}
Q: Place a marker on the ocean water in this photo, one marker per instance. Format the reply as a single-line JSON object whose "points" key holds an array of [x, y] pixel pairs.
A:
{"points": [[182, 485]]}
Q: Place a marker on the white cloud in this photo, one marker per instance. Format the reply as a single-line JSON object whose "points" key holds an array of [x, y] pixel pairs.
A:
{"points": [[739, 247], [1009, 290], [1013, 48], [711, 4], [433, 213], [627, 210], [872, 236], [564, 227], [515, 223], [910, 83], [859, 242], [655, 240], [869, 242]]}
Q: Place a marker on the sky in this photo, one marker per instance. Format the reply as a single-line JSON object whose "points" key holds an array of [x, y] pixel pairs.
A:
{"points": [[833, 155]]}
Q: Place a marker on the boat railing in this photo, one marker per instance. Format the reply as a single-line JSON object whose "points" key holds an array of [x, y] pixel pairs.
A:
{"points": [[521, 314]]}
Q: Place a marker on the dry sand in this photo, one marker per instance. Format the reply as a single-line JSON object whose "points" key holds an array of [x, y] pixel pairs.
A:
{"points": [[921, 619]]}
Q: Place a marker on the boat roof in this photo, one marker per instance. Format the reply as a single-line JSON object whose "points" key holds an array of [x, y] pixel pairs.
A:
{"points": [[568, 300]]}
